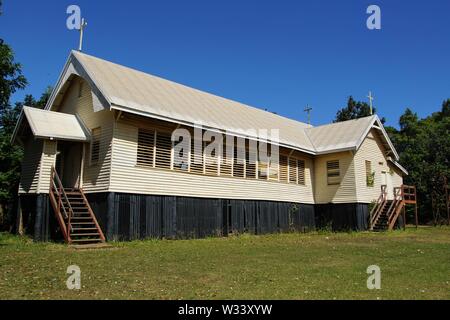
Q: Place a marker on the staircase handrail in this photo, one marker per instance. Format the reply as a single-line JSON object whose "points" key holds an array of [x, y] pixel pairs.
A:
{"points": [[396, 203], [378, 208], [58, 186]]}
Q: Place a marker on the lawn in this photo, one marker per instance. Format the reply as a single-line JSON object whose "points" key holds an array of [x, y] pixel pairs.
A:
{"points": [[415, 264]]}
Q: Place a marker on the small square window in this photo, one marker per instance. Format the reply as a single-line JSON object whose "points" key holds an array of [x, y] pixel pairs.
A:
{"points": [[333, 172], [95, 145]]}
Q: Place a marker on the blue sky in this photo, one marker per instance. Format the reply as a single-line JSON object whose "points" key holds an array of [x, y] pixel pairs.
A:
{"points": [[275, 55]]}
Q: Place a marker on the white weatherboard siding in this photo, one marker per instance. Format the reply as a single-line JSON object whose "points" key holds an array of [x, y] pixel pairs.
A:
{"points": [[345, 192], [372, 150], [128, 178], [95, 177], [31, 163], [47, 162]]}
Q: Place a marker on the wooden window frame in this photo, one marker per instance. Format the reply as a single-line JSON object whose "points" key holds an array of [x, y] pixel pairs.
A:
{"points": [[96, 145], [301, 167], [370, 175], [143, 154], [332, 169]]}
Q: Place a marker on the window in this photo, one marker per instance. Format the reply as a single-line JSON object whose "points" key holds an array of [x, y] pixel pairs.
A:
{"points": [[284, 169], [146, 148], [370, 176], [211, 158], [301, 172], [262, 170], [226, 163], [95, 145], [292, 170], [274, 168], [197, 157], [163, 157], [239, 159], [251, 156], [333, 172]]}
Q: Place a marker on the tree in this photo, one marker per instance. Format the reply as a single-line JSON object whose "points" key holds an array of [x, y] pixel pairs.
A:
{"points": [[11, 80], [354, 110], [424, 150]]}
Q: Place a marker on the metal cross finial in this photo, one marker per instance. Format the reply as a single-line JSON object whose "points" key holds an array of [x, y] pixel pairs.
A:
{"points": [[371, 98], [83, 25], [308, 110]]}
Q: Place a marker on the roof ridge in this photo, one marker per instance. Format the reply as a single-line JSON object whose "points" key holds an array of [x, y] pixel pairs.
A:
{"points": [[341, 122]]}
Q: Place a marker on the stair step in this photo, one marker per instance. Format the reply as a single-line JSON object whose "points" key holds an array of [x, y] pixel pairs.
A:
{"points": [[82, 218], [84, 234], [82, 223], [87, 240], [84, 229]]}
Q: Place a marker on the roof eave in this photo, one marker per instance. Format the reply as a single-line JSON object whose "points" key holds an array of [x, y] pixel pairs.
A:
{"points": [[190, 124]]}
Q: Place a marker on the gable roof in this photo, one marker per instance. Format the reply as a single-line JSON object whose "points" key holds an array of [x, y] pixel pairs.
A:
{"points": [[121, 88], [348, 135], [339, 136], [51, 125]]}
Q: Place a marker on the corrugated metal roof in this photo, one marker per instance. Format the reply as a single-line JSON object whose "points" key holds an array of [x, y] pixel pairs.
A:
{"points": [[135, 91], [54, 125], [341, 135]]}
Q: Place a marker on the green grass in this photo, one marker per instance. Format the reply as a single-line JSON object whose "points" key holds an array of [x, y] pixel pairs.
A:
{"points": [[415, 264]]}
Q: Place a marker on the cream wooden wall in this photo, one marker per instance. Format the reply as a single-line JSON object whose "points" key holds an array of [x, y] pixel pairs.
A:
{"points": [[48, 160], [31, 165], [95, 177], [373, 150], [345, 192]]}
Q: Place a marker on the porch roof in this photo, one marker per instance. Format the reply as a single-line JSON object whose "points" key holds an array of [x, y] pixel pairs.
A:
{"points": [[52, 125]]}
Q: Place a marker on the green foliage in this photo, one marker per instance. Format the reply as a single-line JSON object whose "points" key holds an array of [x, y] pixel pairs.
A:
{"points": [[370, 179], [424, 149], [11, 80], [354, 110]]}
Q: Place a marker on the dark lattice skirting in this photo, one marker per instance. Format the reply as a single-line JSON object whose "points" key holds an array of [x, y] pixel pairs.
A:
{"points": [[132, 217]]}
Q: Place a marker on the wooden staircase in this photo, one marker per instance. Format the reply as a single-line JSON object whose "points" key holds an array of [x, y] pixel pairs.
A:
{"points": [[75, 217], [385, 213]]}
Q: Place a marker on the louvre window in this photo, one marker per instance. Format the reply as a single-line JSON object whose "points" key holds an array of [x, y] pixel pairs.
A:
{"points": [[211, 158], [301, 172], [239, 161], [333, 172], [95, 145], [146, 148], [226, 163], [292, 170], [197, 158], [251, 160], [284, 169], [232, 157], [370, 176], [163, 158]]}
